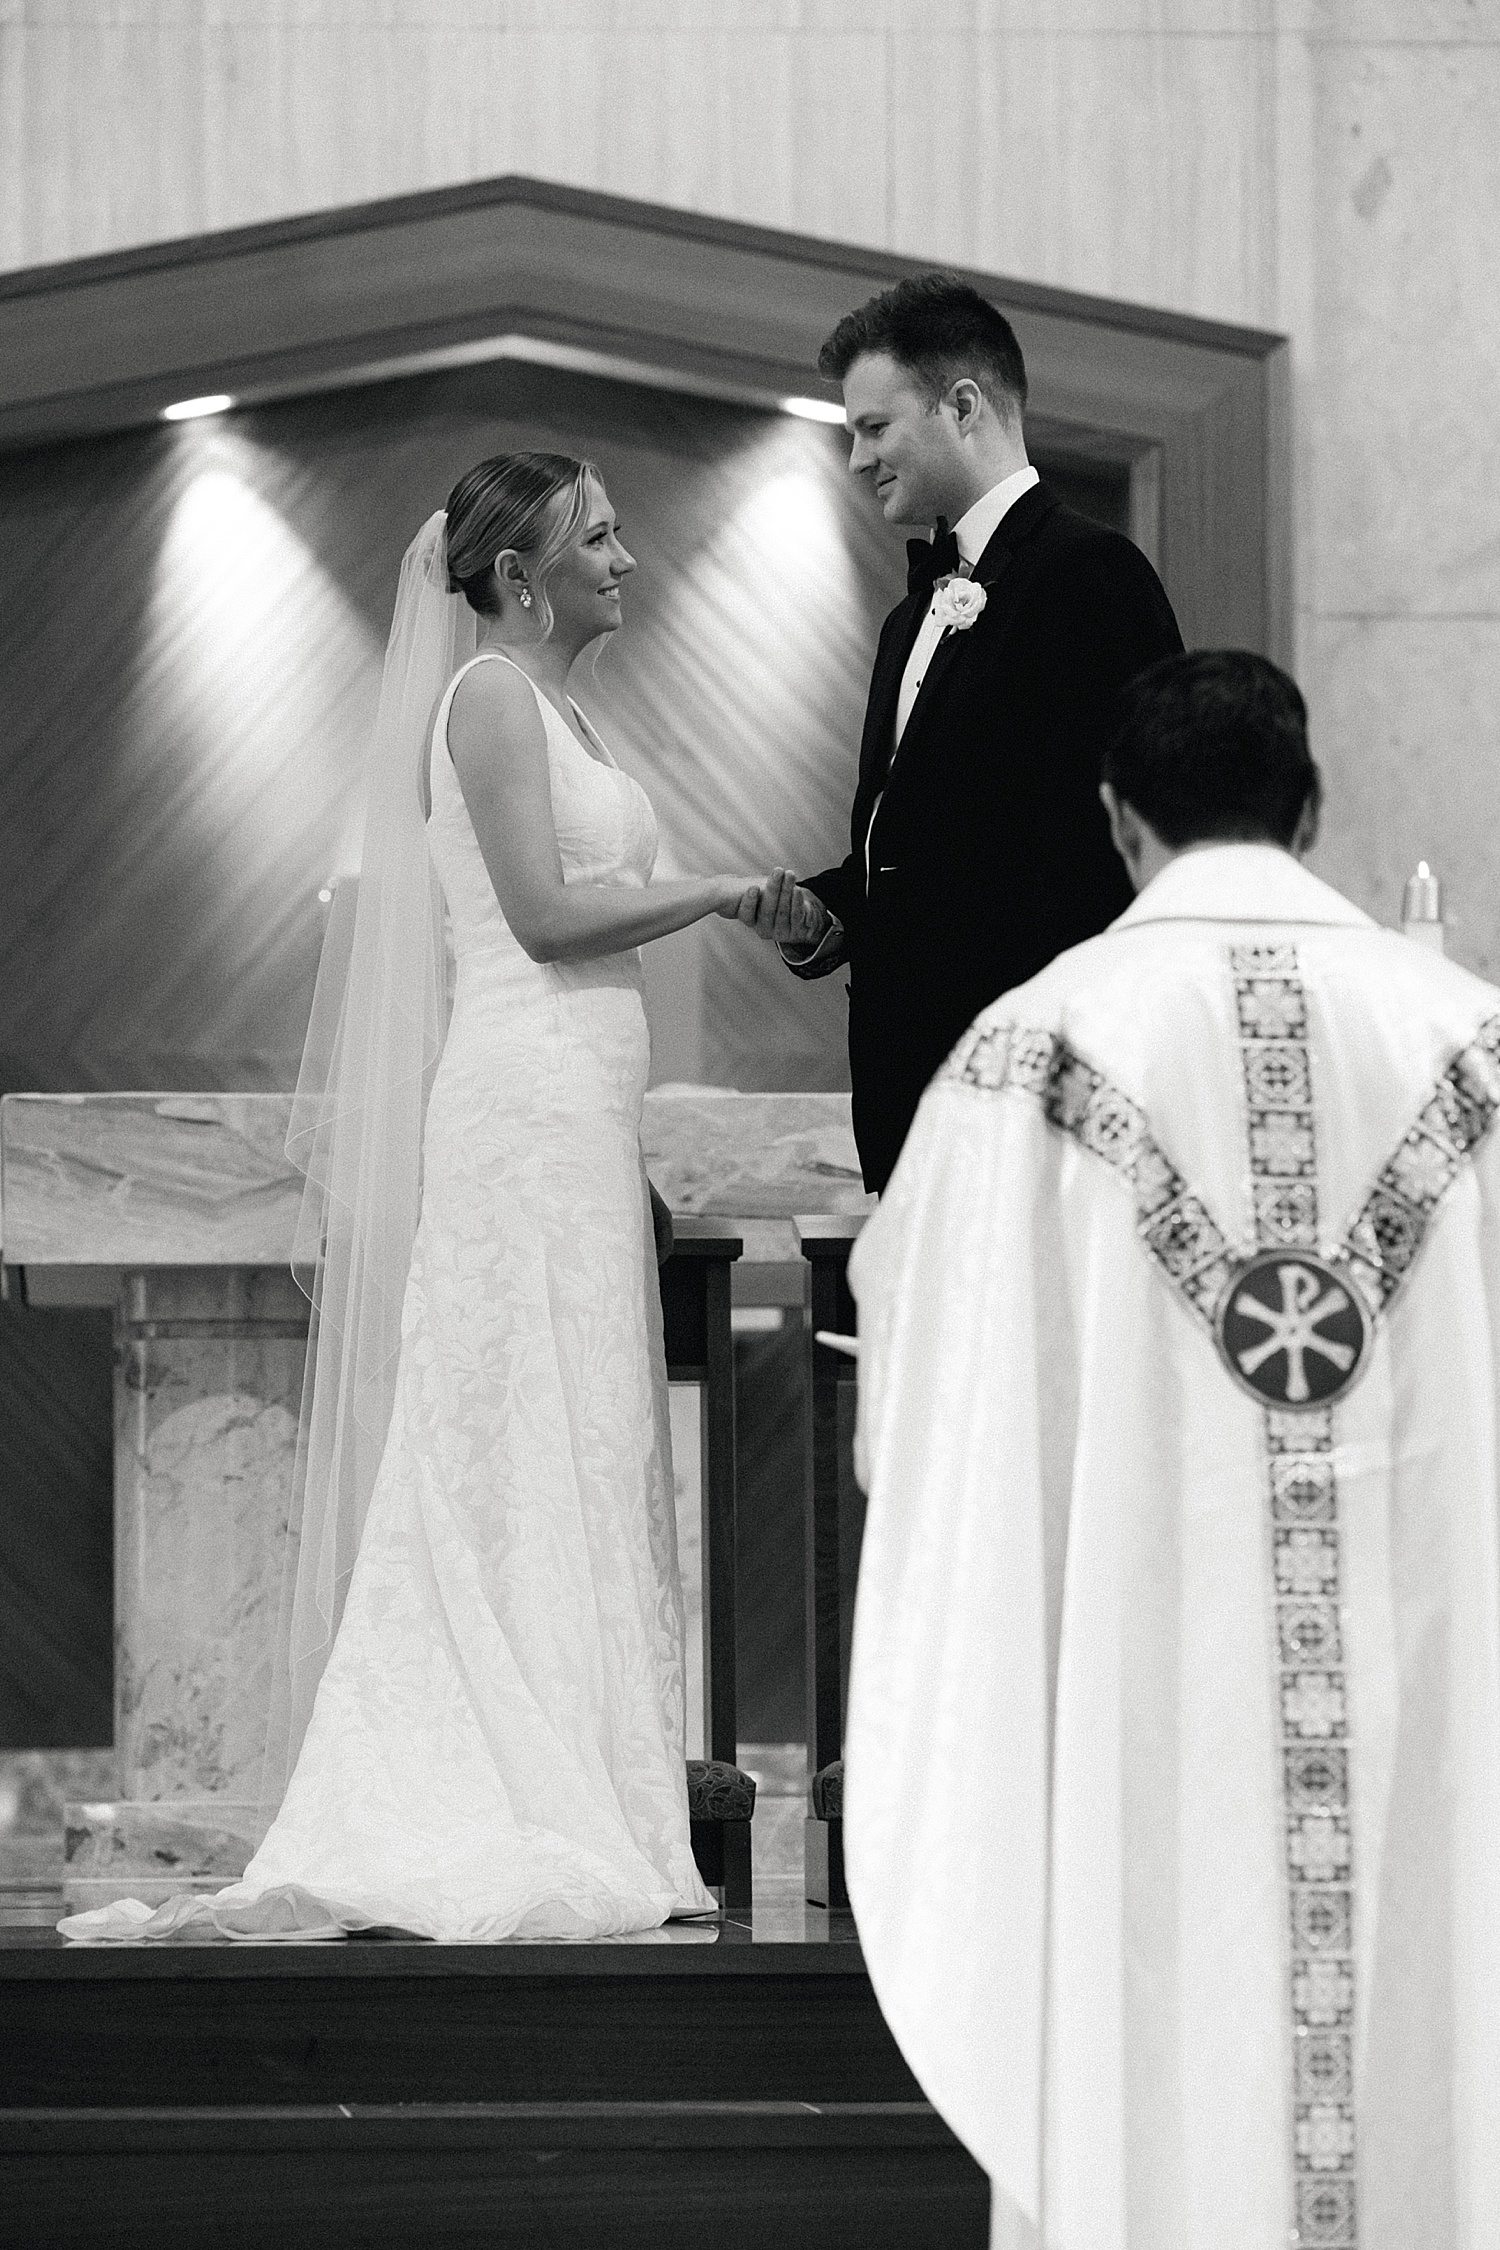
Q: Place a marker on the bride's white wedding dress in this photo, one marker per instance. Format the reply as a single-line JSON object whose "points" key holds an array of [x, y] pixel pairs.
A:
{"points": [[497, 1745]]}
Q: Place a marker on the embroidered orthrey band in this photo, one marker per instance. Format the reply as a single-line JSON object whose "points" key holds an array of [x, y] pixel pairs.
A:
{"points": [[1313, 1702], [1381, 1246], [1174, 1224]]}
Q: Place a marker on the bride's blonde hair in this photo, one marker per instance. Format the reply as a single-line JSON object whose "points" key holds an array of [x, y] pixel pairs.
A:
{"points": [[535, 503]]}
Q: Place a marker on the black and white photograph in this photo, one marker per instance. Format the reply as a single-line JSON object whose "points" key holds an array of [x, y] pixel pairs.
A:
{"points": [[749, 1125]]}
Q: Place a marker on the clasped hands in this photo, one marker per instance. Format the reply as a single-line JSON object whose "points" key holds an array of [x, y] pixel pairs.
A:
{"points": [[780, 909]]}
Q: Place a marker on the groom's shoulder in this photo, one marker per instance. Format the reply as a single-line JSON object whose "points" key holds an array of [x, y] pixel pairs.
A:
{"points": [[1080, 567], [1066, 538]]}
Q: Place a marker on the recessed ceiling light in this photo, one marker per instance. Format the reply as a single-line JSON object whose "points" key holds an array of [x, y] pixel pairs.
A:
{"points": [[189, 409], [813, 409]]}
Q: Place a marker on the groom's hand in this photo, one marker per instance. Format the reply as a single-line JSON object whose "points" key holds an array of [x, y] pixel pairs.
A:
{"points": [[788, 914], [811, 922]]}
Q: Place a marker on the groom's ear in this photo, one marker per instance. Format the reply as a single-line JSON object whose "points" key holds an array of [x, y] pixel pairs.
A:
{"points": [[967, 401]]}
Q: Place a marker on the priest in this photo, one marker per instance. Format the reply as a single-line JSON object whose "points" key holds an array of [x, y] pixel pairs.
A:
{"points": [[1172, 1793]]}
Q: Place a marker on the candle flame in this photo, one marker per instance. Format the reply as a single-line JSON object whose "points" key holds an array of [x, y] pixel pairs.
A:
{"points": [[1424, 872]]}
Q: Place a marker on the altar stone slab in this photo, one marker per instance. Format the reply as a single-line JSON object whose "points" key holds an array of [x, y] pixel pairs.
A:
{"points": [[127, 1181], [131, 1180], [763, 1160]]}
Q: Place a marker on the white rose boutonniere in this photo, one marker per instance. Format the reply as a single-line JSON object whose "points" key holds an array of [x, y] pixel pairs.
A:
{"points": [[956, 603]]}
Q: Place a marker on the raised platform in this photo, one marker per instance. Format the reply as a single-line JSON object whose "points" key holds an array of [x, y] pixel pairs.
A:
{"points": [[733, 2085], [617, 2176]]}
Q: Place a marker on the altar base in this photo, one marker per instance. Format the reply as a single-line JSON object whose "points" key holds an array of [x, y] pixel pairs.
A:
{"points": [[208, 1382]]}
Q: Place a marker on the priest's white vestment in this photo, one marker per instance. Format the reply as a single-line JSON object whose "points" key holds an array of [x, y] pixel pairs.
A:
{"points": [[1172, 1790]]}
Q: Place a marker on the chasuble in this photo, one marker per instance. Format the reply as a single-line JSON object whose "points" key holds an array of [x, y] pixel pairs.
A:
{"points": [[1172, 1793]]}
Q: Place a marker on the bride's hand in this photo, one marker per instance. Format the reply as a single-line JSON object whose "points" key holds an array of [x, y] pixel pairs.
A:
{"points": [[739, 898], [789, 914]]}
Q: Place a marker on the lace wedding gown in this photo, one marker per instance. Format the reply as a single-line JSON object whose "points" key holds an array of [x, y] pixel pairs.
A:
{"points": [[497, 1745]]}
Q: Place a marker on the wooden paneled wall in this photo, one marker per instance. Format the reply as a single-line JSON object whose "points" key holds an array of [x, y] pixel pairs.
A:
{"points": [[196, 617]]}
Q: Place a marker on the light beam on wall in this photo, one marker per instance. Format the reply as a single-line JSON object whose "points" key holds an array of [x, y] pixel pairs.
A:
{"points": [[794, 528], [274, 672], [813, 410], [756, 629], [192, 409]]}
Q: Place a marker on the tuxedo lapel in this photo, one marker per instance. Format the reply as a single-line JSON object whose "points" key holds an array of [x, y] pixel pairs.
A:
{"points": [[991, 571], [885, 686]]}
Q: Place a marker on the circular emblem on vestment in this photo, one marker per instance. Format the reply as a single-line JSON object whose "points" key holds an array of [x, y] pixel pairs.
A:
{"points": [[1291, 1329]]}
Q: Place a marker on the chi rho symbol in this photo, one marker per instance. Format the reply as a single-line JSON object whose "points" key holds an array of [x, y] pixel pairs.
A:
{"points": [[1291, 1330]]}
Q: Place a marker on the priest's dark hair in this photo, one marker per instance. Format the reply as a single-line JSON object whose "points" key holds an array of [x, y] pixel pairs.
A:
{"points": [[1212, 747], [939, 329]]}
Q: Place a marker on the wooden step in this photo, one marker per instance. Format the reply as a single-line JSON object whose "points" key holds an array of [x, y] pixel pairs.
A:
{"points": [[616, 2175], [701, 2090], [383, 2022]]}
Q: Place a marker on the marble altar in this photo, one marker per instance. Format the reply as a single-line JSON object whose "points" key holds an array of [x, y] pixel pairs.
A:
{"points": [[93, 1182], [762, 1160], [90, 1181], [179, 1211]]}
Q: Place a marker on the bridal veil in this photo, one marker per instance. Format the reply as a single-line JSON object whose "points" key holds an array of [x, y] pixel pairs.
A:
{"points": [[379, 1016]]}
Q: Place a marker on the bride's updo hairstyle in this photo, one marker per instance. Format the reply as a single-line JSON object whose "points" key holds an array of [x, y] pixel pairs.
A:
{"points": [[535, 503]]}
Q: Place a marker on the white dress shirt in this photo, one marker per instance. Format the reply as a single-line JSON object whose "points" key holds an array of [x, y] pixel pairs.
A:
{"points": [[973, 531]]}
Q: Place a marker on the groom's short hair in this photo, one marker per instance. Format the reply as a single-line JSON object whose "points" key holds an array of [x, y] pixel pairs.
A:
{"points": [[939, 329], [1212, 747]]}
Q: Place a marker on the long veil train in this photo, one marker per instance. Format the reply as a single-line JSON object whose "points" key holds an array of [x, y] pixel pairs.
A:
{"points": [[374, 1037]]}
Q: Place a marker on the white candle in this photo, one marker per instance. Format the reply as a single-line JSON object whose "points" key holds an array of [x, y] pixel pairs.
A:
{"points": [[1422, 908]]}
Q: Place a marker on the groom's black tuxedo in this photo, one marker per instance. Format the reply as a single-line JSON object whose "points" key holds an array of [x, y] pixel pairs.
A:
{"points": [[990, 852]]}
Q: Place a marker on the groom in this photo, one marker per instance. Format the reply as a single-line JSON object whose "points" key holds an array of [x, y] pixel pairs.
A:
{"points": [[978, 845]]}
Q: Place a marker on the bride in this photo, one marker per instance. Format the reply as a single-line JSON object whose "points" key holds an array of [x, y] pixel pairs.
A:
{"points": [[477, 1726]]}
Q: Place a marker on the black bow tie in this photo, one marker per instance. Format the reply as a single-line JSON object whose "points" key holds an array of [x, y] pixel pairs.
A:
{"points": [[928, 560]]}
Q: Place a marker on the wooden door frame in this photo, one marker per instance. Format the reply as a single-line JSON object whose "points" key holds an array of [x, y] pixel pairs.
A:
{"points": [[1196, 411]]}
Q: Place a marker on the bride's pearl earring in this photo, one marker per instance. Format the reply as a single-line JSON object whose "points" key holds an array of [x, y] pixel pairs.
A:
{"points": [[525, 597]]}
